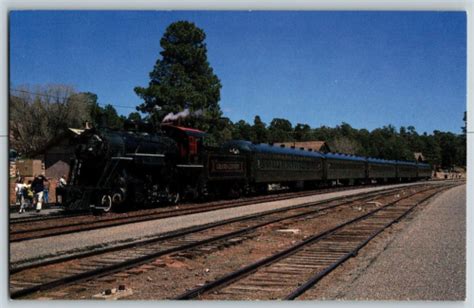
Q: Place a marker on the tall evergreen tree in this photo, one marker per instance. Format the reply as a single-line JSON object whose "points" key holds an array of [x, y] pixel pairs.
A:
{"points": [[182, 79], [280, 130], [243, 131], [134, 116], [94, 109], [110, 118], [259, 130], [302, 132], [464, 119]]}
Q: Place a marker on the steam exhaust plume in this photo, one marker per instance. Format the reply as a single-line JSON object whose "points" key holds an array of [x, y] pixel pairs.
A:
{"points": [[170, 117]]}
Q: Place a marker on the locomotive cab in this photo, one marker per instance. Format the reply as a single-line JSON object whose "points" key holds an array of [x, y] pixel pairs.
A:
{"points": [[191, 161], [189, 142]]}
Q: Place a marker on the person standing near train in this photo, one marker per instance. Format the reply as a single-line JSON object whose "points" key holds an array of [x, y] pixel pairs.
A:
{"points": [[19, 190], [26, 197], [60, 189], [38, 190], [47, 185]]}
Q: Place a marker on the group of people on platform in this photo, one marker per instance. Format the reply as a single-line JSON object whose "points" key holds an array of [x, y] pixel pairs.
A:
{"points": [[35, 192]]}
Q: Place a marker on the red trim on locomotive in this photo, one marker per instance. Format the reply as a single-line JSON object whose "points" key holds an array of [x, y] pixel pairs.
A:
{"points": [[184, 129], [187, 139], [193, 147]]}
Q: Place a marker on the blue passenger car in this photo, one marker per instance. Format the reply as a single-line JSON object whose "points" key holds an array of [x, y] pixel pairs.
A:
{"points": [[345, 168], [277, 164], [424, 171], [406, 170], [381, 170]]}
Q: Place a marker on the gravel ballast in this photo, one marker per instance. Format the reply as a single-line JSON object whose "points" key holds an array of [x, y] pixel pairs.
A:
{"points": [[71, 243], [424, 259]]}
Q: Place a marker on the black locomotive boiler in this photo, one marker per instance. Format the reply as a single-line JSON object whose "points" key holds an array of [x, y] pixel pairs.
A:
{"points": [[113, 169]]}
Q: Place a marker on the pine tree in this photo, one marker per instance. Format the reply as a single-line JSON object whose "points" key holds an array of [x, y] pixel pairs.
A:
{"points": [[182, 78], [259, 130]]}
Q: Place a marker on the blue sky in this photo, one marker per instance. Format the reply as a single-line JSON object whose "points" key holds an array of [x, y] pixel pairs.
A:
{"points": [[368, 69]]}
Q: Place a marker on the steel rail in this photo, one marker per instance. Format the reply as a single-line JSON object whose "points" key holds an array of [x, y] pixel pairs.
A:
{"points": [[257, 199], [140, 260], [116, 221], [41, 218], [189, 230], [245, 271], [313, 280]]}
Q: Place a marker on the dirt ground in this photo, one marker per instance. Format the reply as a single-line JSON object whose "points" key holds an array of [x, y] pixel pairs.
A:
{"points": [[171, 275]]}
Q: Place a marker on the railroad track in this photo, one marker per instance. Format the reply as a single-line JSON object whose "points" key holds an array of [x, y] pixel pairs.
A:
{"points": [[144, 211], [27, 279], [289, 273], [30, 228], [45, 217]]}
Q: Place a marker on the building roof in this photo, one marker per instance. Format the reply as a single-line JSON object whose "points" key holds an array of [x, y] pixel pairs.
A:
{"points": [[315, 145], [76, 131], [419, 156]]}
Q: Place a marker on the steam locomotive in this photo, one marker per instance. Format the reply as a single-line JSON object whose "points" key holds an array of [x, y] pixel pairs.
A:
{"points": [[113, 169]]}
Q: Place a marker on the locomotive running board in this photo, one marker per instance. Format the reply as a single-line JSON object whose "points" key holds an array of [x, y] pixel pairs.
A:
{"points": [[121, 158], [145, 154]]}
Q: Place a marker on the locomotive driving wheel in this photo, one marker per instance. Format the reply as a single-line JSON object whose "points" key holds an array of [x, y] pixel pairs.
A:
{"points": [[106, 203], [235, 190], [171, 194], [173, 198]]}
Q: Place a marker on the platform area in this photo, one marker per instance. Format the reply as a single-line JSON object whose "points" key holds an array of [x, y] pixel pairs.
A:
{"points": [[423, 259]]}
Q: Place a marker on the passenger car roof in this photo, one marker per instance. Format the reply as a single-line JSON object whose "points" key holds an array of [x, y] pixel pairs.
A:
{"points": [[247, 146], [380, 161], [404, 162], [344, 157]]}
